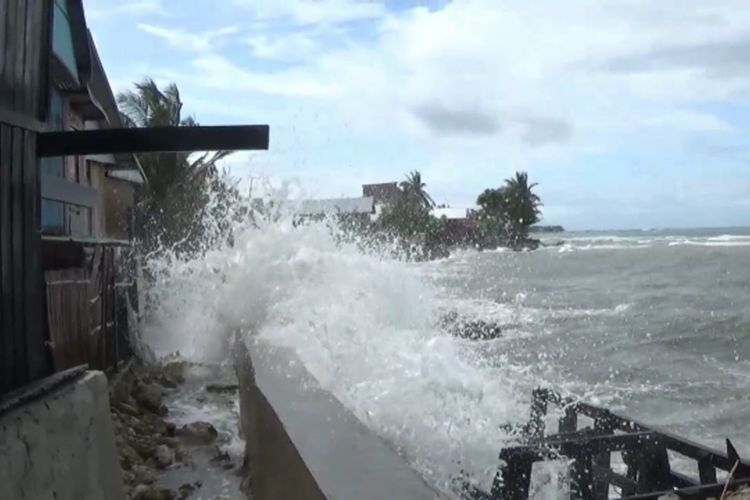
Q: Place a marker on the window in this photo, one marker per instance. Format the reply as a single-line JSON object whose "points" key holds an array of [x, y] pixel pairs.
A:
{"points": [[55, 120], [62, 38], [65, 219], [53, 217], [56, 117]]}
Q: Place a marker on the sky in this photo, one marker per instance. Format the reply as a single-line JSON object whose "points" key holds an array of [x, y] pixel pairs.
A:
{"points": [[628, 113]]}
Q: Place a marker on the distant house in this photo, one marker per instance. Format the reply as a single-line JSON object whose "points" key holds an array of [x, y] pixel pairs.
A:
{"points": [[352, 209], [363, 206], [384, 194], [460, 225]]}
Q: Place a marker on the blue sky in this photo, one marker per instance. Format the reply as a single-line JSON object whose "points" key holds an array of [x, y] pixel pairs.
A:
{"points": [[628, 113]]}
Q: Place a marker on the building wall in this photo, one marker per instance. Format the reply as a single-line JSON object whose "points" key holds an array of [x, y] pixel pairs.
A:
{"points": [[98, 182], [23, 105], [118, 208], [61, 445]]}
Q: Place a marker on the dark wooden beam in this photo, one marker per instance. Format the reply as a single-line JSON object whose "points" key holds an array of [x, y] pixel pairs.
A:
{"points": [[153, 139]]}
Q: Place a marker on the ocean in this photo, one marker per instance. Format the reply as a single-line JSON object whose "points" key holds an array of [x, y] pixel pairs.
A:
{"points": [[654, 324]]}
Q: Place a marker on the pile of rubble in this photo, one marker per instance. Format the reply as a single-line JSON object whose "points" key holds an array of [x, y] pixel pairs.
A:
{"points": [[147, 443]]}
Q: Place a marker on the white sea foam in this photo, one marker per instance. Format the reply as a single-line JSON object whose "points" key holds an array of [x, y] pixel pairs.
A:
{"points": [[362, 324]]}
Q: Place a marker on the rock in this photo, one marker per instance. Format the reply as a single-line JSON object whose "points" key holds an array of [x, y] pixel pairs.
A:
{"points": [[469, 328], [140, 492], [143, 475], [166, 494], [220, 455], [129, 457], [185, 490], [180, 455], [149, 396], [145, 448], [174, 371], [218, 388], [165, 381], [127, 409], [198, 433], [172, 442], [128, 477], [171, 429], [163, 456]]}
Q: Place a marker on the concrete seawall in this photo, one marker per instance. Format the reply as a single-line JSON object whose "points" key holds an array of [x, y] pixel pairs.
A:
{"points": [[57, 441], [302, 443]]}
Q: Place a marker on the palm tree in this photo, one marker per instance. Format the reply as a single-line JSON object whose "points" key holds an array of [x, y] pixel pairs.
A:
{"points": [[149, 106], [178, 184], [522, 205], [414, 187]]}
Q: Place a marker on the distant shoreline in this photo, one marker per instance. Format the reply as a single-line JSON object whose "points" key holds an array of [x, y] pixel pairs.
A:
{"points": [[546, 229]]}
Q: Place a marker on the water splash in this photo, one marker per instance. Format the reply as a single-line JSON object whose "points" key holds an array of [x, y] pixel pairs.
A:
{"points": [[361, 321]]}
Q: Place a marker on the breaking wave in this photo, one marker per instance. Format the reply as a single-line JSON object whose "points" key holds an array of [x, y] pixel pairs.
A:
{"points": [[641, 241], [364, 325]]}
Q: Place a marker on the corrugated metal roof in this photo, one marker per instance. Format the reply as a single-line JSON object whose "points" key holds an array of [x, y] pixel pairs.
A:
{"points": [[363, 205]]}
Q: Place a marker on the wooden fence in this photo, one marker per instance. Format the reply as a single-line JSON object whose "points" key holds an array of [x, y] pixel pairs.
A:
{"points": [[83, 314]]}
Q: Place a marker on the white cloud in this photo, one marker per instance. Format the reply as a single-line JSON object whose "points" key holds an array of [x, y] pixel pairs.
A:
{"points": [[315, 12], [195, 42], [217, 72], [133, 7], [482, 87]]}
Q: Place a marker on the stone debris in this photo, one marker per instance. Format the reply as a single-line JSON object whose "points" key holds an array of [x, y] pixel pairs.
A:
{"points": [[146, 443], [164, 456], [198, 433], [218, 388]]}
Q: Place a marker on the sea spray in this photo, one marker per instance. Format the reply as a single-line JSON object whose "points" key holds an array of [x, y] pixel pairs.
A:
{"points": [[362, 322]]}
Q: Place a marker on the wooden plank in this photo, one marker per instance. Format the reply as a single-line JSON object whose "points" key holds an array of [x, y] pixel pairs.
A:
{"points": [[671, 441], [59, 189], [31, 66], [45, 48], [18, 73], [7, 85], [95, 302], [67, 309], [35, 347], [7, 363], [3, 31], [703, 491], [19, 253], [153, 139]]}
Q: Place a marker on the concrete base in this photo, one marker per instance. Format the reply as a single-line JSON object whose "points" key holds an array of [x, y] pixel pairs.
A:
{"points": [[59, 443], [303, 443]]}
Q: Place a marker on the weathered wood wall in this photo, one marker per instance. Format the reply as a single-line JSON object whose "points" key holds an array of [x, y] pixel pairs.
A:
{"points": [[82, 314], [25, 27], [24, 51]]}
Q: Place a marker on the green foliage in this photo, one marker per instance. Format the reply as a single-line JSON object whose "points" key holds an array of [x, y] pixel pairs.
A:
{"points": [[414, 188], [180, 185], [408, 221], [506, 213]]}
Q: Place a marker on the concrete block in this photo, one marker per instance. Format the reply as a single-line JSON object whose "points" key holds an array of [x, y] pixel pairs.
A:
{"points": [[60, 445], [302, 443]]}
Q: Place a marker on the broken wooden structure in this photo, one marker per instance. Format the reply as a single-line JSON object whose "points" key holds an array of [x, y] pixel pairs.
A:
{"points": [[647, 455]]}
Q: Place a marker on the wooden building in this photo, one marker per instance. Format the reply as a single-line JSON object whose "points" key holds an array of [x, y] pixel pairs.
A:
{"points": [[68, 182]]}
